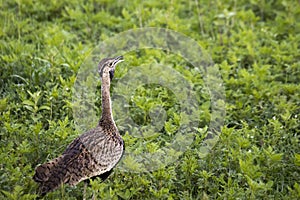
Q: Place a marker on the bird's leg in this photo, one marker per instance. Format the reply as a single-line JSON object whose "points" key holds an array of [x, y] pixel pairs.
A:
{"points": [[62, 190]]}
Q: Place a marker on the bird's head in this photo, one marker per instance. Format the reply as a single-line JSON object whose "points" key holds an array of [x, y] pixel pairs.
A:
{"points": [[107, 66]]}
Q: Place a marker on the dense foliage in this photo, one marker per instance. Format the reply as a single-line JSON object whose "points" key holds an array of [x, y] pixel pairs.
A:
{"points": [[255, 44]]}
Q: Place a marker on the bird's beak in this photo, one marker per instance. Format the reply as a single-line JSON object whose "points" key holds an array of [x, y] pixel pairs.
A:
{"points": [[118, 59], [115, 62]]}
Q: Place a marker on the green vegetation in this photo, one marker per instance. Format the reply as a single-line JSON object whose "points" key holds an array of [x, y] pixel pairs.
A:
{"points": [[255, 44]]}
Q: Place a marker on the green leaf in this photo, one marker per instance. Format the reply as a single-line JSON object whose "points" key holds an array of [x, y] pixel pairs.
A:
{"points": [[276, 157], [297, 159], [29, 103], [3, 104], [44, 108]]}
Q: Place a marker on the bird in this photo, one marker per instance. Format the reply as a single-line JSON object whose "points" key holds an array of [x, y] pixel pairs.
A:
{"points": [[94, 153]]}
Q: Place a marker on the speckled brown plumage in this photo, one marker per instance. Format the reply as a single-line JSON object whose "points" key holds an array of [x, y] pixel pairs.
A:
{"points": [[94, 153]]}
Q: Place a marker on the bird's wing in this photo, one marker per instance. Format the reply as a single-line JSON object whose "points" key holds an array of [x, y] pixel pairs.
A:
{"points": [[92, 154]]}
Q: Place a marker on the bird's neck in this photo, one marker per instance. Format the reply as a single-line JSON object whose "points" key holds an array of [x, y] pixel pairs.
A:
{"points": [[106, 102]]}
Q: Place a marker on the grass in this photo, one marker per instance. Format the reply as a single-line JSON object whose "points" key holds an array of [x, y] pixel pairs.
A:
{"points": [[255, 46]]}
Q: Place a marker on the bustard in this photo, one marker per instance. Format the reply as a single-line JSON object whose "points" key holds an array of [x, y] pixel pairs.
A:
{"points": [[92, 154]]}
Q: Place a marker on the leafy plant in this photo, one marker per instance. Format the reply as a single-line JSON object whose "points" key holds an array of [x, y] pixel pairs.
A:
{"points": [[254, 44]]}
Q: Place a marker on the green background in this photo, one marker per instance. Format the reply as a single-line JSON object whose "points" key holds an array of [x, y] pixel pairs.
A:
{"points": [[255, 45]]}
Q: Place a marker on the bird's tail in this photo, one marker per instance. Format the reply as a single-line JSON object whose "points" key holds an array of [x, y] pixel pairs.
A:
{"points": [[50, 175]]}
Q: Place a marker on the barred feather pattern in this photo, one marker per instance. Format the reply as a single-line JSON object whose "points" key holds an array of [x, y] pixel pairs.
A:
{"points": [[93, 154]]}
